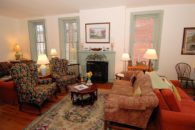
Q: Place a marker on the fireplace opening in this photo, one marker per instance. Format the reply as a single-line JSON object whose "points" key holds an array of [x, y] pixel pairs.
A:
{"points": [[99, 70]]}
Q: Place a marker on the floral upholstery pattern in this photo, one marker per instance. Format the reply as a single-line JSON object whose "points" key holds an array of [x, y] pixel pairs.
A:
{"points": [[129, 109], [25, 77], [59, 71]]}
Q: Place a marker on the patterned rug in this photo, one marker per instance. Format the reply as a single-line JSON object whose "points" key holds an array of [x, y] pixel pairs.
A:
{"points": [[65, 116]]}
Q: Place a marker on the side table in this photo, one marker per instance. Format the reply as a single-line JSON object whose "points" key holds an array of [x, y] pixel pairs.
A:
{"points": [[119, 76], [77, 96]]}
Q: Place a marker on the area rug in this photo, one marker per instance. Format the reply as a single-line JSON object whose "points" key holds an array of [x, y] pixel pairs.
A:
{"points": [[65, 116]]}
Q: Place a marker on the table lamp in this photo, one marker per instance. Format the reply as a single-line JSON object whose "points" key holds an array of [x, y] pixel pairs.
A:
{"points": [[17, 49], [125, 58], [151, 55], [53, 53], [43, 60]]}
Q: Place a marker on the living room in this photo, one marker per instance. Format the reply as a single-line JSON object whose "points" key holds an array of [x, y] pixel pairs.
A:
{"points": [[176, 15]]}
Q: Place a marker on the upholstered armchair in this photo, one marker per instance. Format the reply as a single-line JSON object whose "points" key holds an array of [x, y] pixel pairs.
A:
{"points": [[130, 103], [59, 71], [29, 90]]}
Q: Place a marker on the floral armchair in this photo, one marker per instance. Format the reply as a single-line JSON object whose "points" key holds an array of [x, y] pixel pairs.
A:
{"points": [[25, 76], [59, 72]]}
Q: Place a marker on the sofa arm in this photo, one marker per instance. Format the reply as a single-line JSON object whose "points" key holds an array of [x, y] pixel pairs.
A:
{"points": [[177, 120], [8, 84]]}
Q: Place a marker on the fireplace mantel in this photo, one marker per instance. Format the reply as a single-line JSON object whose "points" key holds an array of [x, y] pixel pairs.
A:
{"points": [[110, 56]]}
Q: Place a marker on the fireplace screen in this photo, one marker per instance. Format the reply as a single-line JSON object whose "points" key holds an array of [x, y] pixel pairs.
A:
{"points": [[99, 70]]}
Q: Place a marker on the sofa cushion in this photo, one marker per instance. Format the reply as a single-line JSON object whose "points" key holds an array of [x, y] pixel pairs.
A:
{"points": [[171, 100], [188, 106], [162, 103], [122, 87]]}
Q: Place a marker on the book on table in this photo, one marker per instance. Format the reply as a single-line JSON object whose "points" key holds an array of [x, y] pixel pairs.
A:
{"points": [[81, 87]]}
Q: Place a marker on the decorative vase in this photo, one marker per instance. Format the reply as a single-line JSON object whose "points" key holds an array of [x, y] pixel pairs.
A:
{"points": [[89, 81]]}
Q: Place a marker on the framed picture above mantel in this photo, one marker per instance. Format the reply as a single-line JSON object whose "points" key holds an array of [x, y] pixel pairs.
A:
{"points": [[97, 32], [188, 46]]}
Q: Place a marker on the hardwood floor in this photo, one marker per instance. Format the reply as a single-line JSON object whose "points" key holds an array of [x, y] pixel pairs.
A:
{"points": [[13, 119]]}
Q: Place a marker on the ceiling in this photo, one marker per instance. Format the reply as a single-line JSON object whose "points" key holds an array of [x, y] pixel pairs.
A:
{"points": [[37, 8]]}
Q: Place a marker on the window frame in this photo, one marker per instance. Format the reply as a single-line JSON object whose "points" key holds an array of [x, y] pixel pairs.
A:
{"points": [[33, 37], [156, 42], [62, 34]]}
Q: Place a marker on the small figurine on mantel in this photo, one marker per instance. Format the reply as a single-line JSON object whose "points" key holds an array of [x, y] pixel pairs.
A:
{"points": [[112, 46]]}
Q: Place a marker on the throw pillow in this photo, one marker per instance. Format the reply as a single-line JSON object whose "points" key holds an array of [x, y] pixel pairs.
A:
{"points": [[137, 91], [171, 100], [162, 103], [133, 79]]}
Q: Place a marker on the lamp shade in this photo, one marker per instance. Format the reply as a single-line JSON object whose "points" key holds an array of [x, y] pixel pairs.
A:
{"points": [[53, 52], [17, 48], [125, 57], [150, 54], [42, 59]]}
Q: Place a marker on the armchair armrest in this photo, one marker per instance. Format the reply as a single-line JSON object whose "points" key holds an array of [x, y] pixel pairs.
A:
{"points": [[45, 81], [55, 76], [70, 73], [177, 120]]}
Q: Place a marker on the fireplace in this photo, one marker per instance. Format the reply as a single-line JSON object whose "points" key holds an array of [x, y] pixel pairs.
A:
{"points": [[99, 70]]}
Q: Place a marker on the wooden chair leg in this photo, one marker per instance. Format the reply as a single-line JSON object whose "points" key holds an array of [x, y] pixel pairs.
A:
{"points": [[20, 106], [39, 108], [105, 125], [186, 83], [55, 94]]}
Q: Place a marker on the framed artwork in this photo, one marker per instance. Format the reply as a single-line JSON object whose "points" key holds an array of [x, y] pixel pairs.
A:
{"points": [[97, 32], [188, 46]]}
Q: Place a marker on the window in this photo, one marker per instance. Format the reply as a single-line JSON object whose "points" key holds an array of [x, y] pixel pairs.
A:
{"points": [[69, 38], [145, 33], [37, 38]]}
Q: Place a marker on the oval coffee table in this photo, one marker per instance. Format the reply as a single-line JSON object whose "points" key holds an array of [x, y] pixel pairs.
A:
{"points": [[77, 96]]}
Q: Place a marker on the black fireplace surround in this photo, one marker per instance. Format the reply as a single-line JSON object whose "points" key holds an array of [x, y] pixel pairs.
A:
{"points": [[99, 70]]}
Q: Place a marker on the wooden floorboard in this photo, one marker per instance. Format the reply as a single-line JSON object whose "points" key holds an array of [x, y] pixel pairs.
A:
{"points": [[13, 119]]}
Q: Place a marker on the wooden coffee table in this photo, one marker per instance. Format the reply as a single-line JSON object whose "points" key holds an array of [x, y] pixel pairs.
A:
{"points": [[77, 96]]}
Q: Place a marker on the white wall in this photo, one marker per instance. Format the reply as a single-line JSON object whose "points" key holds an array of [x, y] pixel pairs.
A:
{"points": [[176, 17], [9, 30], [13, 31], [116, 17]]}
